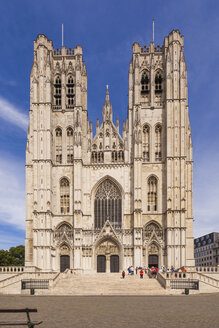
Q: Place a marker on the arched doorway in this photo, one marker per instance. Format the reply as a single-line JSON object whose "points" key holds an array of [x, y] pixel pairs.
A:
{"points": [[107, 256], [153, 255], [64, 257], [101, 263]]}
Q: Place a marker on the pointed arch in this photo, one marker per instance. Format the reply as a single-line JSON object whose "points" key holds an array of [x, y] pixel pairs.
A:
{"points": [[57, 90], [107, 204], [152, 193], [64, 196], [70, 90], [58, 145], [158, 81], [158, 142], [145, 82], [69, 142], [153, 227], [146, 142]]}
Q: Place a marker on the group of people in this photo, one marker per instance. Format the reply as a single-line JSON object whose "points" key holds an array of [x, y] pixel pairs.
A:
{"points": [[153, 270], [172, 269]]}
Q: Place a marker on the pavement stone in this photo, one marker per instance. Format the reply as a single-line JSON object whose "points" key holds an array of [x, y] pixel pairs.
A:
{"points": [[183, 311]]}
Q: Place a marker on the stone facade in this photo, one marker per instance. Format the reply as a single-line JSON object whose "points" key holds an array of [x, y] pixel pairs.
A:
{"points": [[106, 202]]}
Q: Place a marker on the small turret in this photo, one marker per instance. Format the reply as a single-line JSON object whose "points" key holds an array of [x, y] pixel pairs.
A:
{"points": [[107, 107]]}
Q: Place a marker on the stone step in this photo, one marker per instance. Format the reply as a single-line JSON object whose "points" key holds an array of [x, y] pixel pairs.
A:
{"points": [[105, 284]]}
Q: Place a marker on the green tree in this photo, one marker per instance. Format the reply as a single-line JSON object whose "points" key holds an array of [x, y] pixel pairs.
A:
{"points": [[15, 256]]}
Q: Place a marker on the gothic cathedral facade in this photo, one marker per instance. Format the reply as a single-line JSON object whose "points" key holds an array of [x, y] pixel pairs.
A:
{"points": [[102, 203]]}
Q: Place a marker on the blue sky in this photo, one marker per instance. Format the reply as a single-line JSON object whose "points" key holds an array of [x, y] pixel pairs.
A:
{"points": [[106, 30]]}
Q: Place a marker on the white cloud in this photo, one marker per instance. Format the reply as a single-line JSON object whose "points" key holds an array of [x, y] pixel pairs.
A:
{"points": [[12, 192], [10, 113]]}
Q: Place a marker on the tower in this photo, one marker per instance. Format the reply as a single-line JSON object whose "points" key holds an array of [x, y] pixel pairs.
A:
{"points": [[161, 146]]}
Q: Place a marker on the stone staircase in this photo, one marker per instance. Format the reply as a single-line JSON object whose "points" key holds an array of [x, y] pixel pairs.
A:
{"points": [[104, 284]]}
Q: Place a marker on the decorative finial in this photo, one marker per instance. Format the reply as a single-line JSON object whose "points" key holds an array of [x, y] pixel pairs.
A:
{"points": [[107, 87]]}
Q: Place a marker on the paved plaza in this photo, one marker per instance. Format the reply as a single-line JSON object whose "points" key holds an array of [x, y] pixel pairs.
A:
{"points": [[118, 311]]}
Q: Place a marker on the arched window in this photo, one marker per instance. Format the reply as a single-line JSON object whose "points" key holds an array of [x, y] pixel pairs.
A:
{"points": [[145, 82], [158, 151], [69, 145], [70, 91], [64, 196], [108, 205], [58, 146], [146, 143], [152, 194], [158, 82], [58, 91]]}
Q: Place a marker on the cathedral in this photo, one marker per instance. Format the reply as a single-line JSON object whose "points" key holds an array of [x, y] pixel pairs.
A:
{"points": [[105, 201]]}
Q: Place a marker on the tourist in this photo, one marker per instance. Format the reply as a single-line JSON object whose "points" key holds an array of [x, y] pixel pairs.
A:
{"points": [[141, 274], [136, 270], [132, 270], [123, 274]]}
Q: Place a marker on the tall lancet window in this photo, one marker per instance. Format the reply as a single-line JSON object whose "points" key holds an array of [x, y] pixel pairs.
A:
{"points": [[58, 145], [108, 205], [146, 143], [70, 91], [158, 150], [158, 82], [58, 91], [69, 145], [152, 194], [145, 82], [64, 196]]}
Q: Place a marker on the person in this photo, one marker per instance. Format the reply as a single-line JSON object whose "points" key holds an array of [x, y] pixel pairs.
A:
{"points": [[132, 270], [123, 274], [136, 270], [141, 274], [180, 270], [154, 272]]}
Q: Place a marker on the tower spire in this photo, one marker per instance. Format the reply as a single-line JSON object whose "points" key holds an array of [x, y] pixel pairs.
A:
{"points": [[107, 99]]}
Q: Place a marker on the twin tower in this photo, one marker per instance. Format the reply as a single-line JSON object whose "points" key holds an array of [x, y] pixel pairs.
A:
{"points": [[102, 203]]}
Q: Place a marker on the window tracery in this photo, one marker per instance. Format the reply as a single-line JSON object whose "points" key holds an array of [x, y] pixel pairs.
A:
{"points": [[146, 143], [64, 196], [145, 83], [58, 91], [158, 152], [58, 145], [158, 82], [117, 156], [70, 94], [153, 228], [69, 145], [152, 194], [64, 229], [97, 157], [108, 205]]}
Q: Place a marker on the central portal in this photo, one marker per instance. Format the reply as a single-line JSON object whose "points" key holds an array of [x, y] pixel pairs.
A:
{"points": [[107, 255]]}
